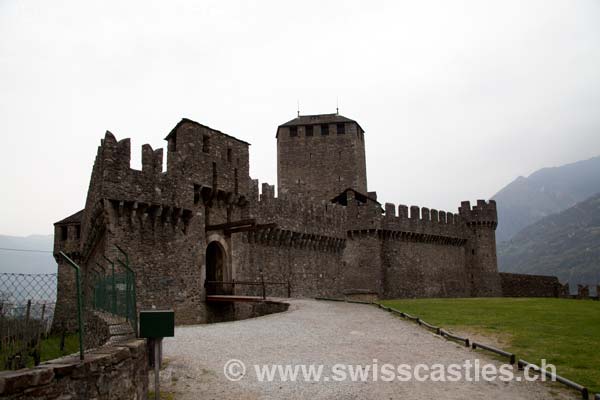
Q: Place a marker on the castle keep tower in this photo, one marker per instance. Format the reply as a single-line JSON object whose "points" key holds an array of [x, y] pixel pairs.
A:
{"points": [[319, 156]]}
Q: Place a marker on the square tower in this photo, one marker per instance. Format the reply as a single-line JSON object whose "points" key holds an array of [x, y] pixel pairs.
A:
{"points": [[319, 156]]}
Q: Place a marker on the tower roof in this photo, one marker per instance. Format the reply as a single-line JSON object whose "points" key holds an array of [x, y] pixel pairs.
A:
{"points": [[187, 120], [71, 219], [319, 119]]}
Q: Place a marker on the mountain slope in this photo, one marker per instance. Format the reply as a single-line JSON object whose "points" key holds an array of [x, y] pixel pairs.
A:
{"points": [[27, 262], [566, 245], [546, 191]]}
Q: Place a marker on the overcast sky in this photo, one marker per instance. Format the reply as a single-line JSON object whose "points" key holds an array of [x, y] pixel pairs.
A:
{"points": [[457, 98]]}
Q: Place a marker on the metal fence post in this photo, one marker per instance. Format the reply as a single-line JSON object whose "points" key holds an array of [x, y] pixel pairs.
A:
{"points": [[102, 287], [133, 300], [79, 301], [114, 286]]}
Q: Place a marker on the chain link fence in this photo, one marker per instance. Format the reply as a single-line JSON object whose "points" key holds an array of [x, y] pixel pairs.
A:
{"points": [[113, 293], [27, 303]]}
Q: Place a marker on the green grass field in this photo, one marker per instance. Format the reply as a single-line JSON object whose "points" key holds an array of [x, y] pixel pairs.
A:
{"points": [[51, 347], [565, 332], [49, 350]]}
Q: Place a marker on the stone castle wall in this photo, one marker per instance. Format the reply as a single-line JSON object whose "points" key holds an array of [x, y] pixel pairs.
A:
{"points": [[420, 269], [305, 248], [521, 285], [166, 219]]}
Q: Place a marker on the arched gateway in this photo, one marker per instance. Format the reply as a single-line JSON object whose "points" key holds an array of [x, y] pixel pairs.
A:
{"points": [[215, 268]]}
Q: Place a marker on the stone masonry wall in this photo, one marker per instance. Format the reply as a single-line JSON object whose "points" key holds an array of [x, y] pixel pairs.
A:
{"points": [[159, 218], [118, 372], [67, 240], [319, 167], [521, 285], [362, 264], [311, 271], [481, 221], [418, 269], [167, 261]]}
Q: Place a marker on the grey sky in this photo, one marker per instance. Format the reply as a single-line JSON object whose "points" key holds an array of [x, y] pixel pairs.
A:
{"points": [[457, 98]]}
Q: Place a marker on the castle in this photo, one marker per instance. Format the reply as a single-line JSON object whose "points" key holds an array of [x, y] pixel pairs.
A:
{"points": [[203, 219]]}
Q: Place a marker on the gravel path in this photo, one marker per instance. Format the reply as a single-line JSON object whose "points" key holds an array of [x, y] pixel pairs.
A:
{"points": [[320, 332]]}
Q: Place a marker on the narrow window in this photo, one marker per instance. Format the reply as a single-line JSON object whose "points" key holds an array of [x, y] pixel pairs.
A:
{"points": [[339, 155], [173, 146], [214, 177], [293, 131], [341, 129], [206, 144], [78, 231], [229, 154], [235, 181], [63, 233], [196, 194], [324, 130], [309, 130], [310, 156]]}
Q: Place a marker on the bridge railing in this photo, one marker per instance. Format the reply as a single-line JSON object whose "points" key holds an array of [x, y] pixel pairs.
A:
{"points": [[217, 287]]}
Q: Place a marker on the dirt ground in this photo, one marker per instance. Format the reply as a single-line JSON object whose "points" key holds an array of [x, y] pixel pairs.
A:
{"points": [[327, 333]]}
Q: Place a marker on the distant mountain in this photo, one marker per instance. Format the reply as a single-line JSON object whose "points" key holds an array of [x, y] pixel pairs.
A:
{"points": [[27, 262], [546, 191], [566, 245]]}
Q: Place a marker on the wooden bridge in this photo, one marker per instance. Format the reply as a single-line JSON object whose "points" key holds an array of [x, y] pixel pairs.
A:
{"points": [[233, 297], [215, 291]]}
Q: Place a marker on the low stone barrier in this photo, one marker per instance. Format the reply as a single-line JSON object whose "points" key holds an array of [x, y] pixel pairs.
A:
{"points": [[582, 389], [475, 345], [109, 372]]}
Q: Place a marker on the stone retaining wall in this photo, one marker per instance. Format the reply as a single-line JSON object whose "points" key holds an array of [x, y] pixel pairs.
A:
{"points": [[110, 372], [521, 285]]}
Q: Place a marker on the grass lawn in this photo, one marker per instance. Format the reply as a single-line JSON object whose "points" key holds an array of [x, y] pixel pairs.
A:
{"points": [[50, 349], [563, 331]]}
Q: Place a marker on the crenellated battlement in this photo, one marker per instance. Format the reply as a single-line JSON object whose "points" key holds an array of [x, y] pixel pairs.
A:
{"points": [[152, 160], [198, 157], [421, 220], [420, 214], [115, 157], [295, 214], [114, 178], [300, 215], [482, 214]]}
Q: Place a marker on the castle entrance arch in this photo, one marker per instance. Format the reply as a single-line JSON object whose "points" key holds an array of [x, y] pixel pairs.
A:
{"points": [[216, 264]]}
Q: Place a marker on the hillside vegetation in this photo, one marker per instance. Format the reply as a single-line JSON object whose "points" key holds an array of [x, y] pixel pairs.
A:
{"points": [[566, 245], [546, 191]]}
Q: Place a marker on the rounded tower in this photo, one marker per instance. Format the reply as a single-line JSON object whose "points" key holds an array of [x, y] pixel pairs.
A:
{"points": [[482, 266]]}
